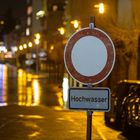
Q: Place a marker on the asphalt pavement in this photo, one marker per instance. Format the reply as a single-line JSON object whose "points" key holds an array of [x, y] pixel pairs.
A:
{"points": [[42, 123]]}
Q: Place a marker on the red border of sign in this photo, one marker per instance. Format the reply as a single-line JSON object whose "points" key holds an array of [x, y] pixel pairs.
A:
{"points": [[110, 55]]}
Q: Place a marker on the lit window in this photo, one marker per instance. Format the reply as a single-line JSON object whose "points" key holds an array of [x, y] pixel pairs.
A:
{"points": [[27, 31], [1, 22], [29, 21], [29, 10], [40, 14], [55, 8]]}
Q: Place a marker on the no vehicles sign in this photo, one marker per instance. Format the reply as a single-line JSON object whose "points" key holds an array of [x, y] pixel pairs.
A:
{"points": [[89, 55]]}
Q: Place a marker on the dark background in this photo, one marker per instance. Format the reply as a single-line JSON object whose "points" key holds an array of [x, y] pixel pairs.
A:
{"points": [[17, 6]]}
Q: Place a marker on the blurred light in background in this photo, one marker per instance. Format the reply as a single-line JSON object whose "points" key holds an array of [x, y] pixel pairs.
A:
{"points": [[61, 30], [20, 47], [37, 36], [3, 85], [24, 46], [40, 14], [3, 49], [76, 24], [52, 47], [8, 55], [2, 22], [36, 92], [28, 89], [14, 49], [27, 31], [100, 7], [36, 41], [30, 44], [65, 86]]}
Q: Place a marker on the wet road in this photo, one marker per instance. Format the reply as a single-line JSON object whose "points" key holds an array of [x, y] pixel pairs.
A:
{"points": [[32, 108], [27, 89]]}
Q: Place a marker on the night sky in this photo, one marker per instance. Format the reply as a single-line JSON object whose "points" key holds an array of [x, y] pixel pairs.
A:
{"points": [[18, 7]]}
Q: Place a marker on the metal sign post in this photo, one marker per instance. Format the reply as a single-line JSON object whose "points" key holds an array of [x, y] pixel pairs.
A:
{"points": [[89, 119], [84, 64], [89, 125], [89, 112]]}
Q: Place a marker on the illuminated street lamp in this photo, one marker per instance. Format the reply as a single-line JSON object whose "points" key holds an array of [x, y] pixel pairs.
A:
{"points": [[24, 46], [61, 30], [37, 36], [36, 41], [100, 7], [20, 47], [30, 44], [76, 24]]}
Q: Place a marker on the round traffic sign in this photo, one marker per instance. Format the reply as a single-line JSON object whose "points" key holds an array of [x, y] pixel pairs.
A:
{"points": [[89, 56]]}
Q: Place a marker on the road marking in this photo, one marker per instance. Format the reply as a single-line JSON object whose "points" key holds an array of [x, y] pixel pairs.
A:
{"points": [[101, 134], [31, 116], [34, 134], [4, 124]]}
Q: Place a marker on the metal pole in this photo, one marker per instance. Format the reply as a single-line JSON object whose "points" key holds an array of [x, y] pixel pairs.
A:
{"points": [[89, 125], [89, 112], [92, 23], [89, 120]]}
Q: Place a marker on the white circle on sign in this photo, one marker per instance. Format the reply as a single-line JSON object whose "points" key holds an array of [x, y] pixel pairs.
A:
{"points": [[89, 56]]}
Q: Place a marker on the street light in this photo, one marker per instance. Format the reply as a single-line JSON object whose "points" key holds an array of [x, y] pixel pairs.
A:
{"points": [[100, 7], [20, 47], [24, 46], [36, 41], [76, 24], [30, 44], [61, 30], [37, 36]]}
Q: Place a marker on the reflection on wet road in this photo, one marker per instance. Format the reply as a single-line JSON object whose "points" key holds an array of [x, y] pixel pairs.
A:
{"points": [[27, 89]]}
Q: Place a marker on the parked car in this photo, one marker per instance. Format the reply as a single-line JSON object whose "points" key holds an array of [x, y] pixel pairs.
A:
{"points": [[121, 90], [131, 111]]}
